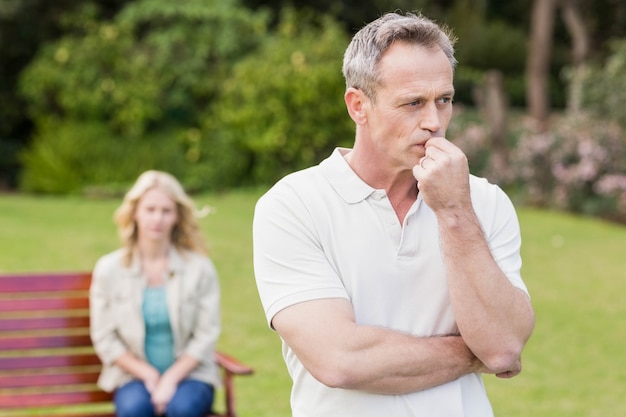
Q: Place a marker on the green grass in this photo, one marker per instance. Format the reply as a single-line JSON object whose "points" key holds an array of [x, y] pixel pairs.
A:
{"points": [[574, 267]]}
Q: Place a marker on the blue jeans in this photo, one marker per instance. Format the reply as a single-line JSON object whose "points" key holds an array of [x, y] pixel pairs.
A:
{"points": [[192, 399]]}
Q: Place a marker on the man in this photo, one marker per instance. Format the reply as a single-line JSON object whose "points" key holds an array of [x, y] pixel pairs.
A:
{"points": [[391, 274]]}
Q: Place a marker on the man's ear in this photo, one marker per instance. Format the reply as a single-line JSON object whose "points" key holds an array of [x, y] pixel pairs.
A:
{"points": [[356, 103]]}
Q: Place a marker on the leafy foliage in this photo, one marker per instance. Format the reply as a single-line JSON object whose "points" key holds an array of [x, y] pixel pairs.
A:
{"points": [[24, 26], [153, 64], [70, 157], [603, 92], [282, 109], [155, 67], [240, 109], [579, 165]]}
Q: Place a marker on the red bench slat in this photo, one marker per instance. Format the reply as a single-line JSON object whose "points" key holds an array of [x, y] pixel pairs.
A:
{"points": [[39, 304], [44, 342], [41, 323], [48, 399], [45, 380], [44, 282], [48, 361]]}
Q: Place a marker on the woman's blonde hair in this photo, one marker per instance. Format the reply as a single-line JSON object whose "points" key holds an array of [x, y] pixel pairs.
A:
{"points": [[186, 234]]}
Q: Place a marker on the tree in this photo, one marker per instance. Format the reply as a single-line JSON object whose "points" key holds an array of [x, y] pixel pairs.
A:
{"points": [[577, 29], [538, 62]]}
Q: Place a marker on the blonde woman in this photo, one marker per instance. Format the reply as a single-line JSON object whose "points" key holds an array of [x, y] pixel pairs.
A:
{"points": [[155, 306]]}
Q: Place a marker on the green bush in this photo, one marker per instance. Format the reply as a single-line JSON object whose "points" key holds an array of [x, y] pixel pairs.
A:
{"points": [[87, 157], [603, 90], [282, 109], [240, 104], [156, 62], [152, 71], [579, 165]]}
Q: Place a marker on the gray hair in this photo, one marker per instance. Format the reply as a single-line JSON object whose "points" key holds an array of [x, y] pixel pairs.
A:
{"points": [[361, 60]]}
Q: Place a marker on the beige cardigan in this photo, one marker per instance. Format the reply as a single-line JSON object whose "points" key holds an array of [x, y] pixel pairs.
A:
{"points": [[117, 325]]}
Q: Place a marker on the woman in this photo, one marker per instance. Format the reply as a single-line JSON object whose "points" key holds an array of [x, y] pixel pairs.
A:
{"points": [[155, 306]]}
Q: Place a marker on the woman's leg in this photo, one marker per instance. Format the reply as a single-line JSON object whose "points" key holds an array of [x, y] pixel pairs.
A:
{"points": [[192, 399], [133, 400]]}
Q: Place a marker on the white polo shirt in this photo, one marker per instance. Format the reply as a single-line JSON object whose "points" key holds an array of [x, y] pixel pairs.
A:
{"points": [[324, 233]]}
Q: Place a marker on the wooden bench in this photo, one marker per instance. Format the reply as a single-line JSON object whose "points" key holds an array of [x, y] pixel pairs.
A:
{"points": [[47, 361]]}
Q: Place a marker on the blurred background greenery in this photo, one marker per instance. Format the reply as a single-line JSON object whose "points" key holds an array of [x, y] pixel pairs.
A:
{"points": [[233, 93]]}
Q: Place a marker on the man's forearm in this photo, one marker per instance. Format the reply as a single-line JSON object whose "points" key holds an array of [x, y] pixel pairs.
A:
{"points": [[422, 363], [494, 317]]}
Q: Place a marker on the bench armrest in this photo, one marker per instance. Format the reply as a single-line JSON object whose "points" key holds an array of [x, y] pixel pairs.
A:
{"points": [[230, 367]]}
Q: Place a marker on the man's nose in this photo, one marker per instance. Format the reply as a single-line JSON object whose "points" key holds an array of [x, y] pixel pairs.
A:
{"points": [[429, 118]]}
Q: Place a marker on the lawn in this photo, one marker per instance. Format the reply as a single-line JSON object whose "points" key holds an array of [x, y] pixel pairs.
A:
{"points": [[574, 267]]}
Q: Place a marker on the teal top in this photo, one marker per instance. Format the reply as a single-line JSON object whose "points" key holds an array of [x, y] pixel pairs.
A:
{"points": [[159, 344]]}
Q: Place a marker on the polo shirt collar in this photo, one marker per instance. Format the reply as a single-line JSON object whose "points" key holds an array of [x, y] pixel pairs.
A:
{"points": [[343, 179]]}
